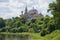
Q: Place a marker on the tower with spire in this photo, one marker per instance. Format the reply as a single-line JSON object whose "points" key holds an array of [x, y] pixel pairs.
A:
{"points": [[26, 10], [26, 14]]}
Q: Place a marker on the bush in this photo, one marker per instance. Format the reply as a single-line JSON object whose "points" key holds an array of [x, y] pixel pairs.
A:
{"points": [[33, 20], [44, 32]]}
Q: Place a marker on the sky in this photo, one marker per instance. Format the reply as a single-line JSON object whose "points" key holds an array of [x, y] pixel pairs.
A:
{"points": [[13, 8]]}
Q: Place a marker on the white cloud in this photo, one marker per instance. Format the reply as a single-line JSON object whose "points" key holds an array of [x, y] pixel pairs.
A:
{"points": [[16, 6], [13, 7], [28, 1], [3, 4]]}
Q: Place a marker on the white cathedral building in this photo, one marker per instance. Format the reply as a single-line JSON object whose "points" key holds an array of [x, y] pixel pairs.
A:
{"points": [[31, 14]]}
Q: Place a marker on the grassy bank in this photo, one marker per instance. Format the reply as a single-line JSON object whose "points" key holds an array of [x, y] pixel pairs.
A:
{"points": [[36, 36]]}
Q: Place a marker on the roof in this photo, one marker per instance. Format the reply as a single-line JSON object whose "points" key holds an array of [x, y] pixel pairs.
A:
{"points": [[33, 11]]}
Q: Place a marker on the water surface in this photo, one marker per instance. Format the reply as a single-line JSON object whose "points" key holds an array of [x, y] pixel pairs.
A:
{"points": [[14, 37]]}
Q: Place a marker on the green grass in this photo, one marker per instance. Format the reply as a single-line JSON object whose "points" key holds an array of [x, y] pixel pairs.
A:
{"points": [[36, 36]]}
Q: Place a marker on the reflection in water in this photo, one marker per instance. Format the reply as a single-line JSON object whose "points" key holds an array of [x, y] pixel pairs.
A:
{"points": [[2, 37], [14, 37]]}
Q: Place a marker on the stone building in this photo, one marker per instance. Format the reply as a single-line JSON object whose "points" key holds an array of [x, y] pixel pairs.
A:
{"points": [[31, 14]]}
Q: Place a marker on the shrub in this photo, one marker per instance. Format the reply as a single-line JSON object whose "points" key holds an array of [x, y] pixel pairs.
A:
{"points": [[44, 32]]}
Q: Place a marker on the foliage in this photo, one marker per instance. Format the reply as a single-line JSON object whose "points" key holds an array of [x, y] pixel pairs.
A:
{"points": [[2, 23], [41, 25], [43, 33], [55, 10]]}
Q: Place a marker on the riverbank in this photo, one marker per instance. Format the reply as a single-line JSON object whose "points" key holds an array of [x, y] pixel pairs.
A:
{"points": [[36, 36]]}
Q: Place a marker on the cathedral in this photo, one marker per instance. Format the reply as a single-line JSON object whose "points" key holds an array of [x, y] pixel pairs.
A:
{"points": [[31, 14]]}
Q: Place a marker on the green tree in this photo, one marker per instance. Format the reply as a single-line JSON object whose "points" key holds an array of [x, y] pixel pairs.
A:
{"points": [[55, 9], [2, 23]]}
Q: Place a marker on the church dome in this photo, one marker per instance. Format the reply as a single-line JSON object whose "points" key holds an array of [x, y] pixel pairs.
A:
{"points": [[33, 11]]}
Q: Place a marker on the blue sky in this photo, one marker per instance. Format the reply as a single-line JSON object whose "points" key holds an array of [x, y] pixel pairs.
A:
{"points": [[13, 8]]}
